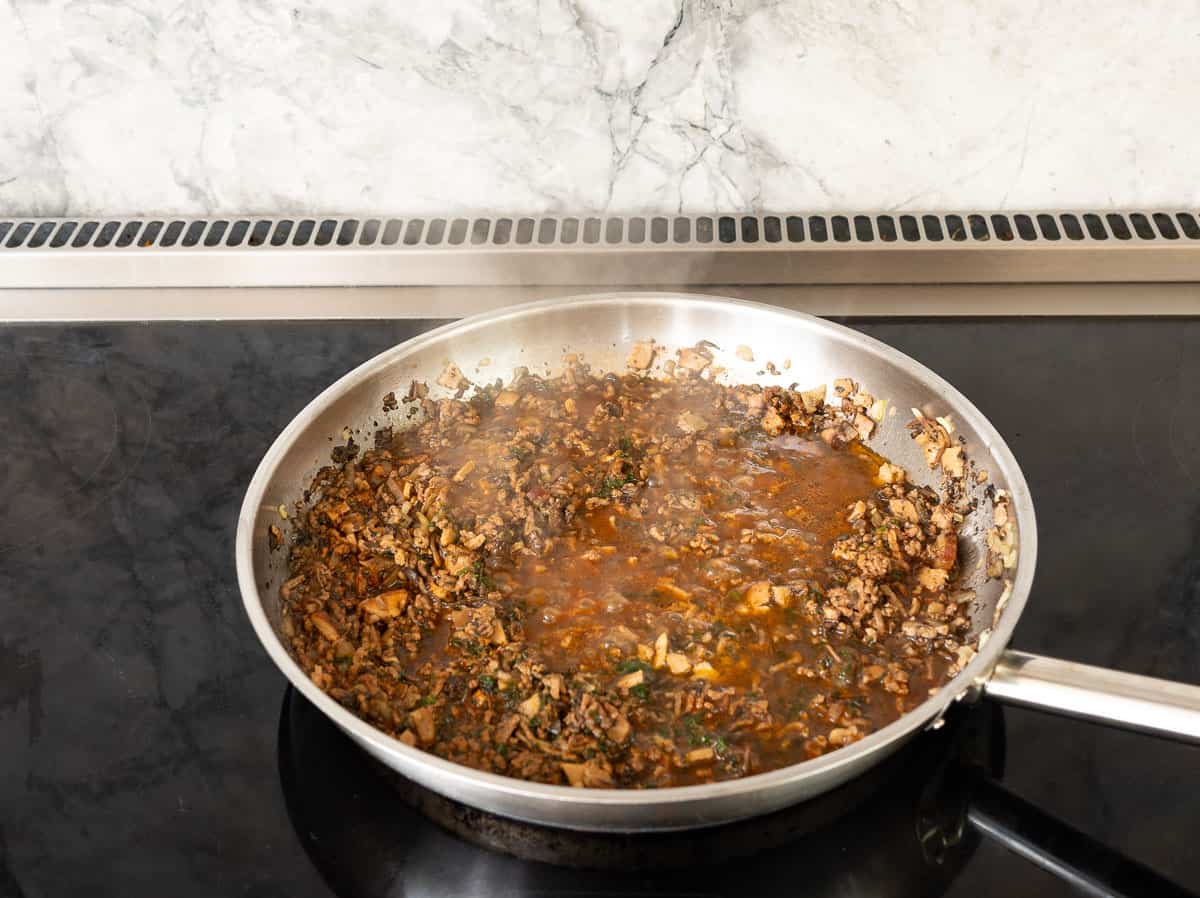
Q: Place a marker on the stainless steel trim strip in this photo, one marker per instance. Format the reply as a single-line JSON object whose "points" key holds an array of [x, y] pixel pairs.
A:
{"points": [[662, 266], [279, 303]]}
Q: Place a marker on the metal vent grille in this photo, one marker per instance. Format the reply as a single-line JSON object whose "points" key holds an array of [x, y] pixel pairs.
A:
{"points": [[764, 231], [595, 251]]}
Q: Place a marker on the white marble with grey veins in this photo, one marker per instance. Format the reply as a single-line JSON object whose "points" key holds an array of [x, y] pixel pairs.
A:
{"points": [[207, 106]]}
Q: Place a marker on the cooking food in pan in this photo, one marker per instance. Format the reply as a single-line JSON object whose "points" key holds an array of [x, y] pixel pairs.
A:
{"points": [[629, 579]]}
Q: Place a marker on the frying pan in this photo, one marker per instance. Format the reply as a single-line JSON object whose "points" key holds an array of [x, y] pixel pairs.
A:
{"points": [[807, 351]]}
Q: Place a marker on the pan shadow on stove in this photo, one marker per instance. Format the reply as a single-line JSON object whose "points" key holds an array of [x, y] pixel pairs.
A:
{"points": [[901, 829]]}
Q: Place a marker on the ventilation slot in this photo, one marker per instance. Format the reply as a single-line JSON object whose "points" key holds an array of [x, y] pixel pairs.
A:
{"points": [[63, 235], [1166, 227], [391, 232], [1141, 225], [282, 231], [1049, 227], [346, 232], [260, 233], [20, 232], [109, 230], [412, 234], [41, 234], [153, 229], [215, 233], [1118, 226], [1095, 227]]}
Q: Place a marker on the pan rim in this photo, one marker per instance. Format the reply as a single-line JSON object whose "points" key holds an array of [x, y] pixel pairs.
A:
{"points": [[928, 713]]}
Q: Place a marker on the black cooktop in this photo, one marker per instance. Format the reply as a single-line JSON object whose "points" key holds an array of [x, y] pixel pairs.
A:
{"points": [[149, 746]]}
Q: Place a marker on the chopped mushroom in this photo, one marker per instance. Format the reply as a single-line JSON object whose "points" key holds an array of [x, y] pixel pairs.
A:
{"points": [[678, 663], [773, 423], [531, 706], [324, 626], [758, 595], [641, 356], [385, 605], [630, 680], [704, 671], [813, 399], [690, 422], [620, 730], [864, 425], [452, 378], [952, 461], [931, 436], [590, 774], [694, 359], [933, 579], [423, 722], [659, 658], [574, 773]]}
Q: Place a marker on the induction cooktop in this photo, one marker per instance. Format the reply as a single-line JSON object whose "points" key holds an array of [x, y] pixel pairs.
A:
{"points": [[150, 745]]}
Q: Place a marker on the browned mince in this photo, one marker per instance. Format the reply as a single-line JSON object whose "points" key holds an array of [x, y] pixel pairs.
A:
{"points": [[624, 581]]}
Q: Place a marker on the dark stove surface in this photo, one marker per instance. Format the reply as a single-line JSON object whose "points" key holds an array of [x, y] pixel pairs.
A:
{"points": [[898, 830], [143, 746]]}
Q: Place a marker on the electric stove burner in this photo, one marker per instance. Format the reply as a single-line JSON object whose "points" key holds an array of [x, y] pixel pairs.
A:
{"points": [[899, 829]]}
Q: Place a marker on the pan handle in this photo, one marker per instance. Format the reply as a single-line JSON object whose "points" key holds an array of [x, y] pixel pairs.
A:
{"points": [[1146, 704]]}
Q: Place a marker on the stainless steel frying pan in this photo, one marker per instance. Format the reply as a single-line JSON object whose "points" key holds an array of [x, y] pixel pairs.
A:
{"points": [[601, 329]]}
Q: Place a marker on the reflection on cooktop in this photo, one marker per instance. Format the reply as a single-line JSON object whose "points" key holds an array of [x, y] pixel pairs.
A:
{"points": [[81, 431], [898, 830]]}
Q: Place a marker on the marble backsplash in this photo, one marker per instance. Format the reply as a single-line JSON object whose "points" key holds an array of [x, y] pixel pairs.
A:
{"points": [[452, 106]]}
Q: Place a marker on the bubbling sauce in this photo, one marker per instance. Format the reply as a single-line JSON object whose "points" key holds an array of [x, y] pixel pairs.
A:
{"points": [[625, 581]]}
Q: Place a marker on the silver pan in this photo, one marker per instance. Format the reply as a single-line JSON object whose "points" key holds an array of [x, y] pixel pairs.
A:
{"points": [[601, 329]]}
